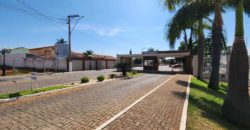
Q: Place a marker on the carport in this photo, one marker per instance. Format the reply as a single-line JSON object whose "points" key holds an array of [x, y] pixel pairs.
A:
{"points": [[151, 59]]}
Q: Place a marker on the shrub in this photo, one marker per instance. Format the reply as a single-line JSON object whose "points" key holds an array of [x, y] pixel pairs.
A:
{"points": [[124, 66], [112, 76], [84, 80], [134, 72], [100, 78]]}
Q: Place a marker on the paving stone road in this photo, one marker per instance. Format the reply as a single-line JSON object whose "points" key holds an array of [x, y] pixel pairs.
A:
{"points": [[20, 83], [162, 110], [80, 108]]}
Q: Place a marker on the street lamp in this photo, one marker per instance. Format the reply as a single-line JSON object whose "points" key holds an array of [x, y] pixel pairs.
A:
{"points": [[3, 52]]}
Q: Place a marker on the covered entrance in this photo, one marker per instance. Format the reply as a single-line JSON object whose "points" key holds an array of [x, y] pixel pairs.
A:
{"points": [[156, 61]]}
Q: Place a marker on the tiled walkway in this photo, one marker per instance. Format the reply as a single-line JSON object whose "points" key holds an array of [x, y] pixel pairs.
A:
{"points": [[161, 110], [88, 108]]}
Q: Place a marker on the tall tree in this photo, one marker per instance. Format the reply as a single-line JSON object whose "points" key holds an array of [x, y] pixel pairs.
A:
{"points": [[236, 107], [201, 50], [171, 6], [89, 54], [217, 39], [61, 40], [187, 16]]}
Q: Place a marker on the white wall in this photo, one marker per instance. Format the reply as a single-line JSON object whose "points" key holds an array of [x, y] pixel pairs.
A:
{"points": [[77, 65], [14, 60], [111, 64], [195, 65], [93, 64], [40, 63], [62, 64], [87, 62], [18, 60], [101, 64]]}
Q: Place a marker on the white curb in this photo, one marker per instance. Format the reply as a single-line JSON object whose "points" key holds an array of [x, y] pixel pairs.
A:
{"points": [[185, 107]]}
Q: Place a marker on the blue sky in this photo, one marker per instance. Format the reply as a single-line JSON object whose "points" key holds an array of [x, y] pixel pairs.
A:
{"points": [[109, 27]]}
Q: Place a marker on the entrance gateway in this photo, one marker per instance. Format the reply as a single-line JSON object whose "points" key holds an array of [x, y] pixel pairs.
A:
{"points": [[154, 57]]}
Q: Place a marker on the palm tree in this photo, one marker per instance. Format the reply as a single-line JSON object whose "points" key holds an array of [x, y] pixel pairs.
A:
{"points": [[61, 40], [236, 107], [89, 54], [217, 39], [151, 49], [201, 50], [186, 17], [171, 6]]}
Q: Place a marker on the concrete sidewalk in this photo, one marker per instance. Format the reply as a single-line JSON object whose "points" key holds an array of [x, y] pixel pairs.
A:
{"points": [[162, 110]]}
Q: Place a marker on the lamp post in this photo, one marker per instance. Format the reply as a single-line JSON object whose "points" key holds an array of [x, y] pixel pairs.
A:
{"points": [[4, 51]]}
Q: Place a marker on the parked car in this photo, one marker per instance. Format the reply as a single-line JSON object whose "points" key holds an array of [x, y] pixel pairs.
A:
{"points": [[177, 66]]}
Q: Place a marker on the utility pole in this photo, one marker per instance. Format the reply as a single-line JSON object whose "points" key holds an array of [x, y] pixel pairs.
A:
{"points": [[69, 65], [4, 51]]}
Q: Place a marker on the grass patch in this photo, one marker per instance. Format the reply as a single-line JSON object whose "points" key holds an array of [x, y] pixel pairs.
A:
{"points": [[132, 73], [34, 91], [204, 109]]}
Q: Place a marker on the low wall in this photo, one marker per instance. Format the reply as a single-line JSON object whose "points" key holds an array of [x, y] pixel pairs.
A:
{"points": [[38, 63]]}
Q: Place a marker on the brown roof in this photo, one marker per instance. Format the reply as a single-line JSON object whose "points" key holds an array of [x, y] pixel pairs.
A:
{"points": [[104, 57], [77, 55], [42, 47], [95, 56]]}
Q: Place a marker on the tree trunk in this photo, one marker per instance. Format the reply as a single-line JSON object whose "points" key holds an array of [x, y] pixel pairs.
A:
{"points": [[186, 40], [236, 107], [201, 50], [217, 38], [191, 40]]}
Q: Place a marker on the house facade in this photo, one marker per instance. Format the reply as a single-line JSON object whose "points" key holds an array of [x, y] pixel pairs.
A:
{"points": [[54, 58]]}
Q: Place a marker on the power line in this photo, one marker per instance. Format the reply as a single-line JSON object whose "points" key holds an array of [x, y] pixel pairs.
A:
{"points": [[31, 13], [39, 12], [76, 23]]}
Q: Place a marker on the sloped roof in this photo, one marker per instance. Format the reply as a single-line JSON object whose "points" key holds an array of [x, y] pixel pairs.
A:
{"points": [[95, 56], [42, 47]]}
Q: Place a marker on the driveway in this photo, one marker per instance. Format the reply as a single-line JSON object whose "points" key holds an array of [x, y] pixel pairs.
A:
{"points": [[20, 83], [90, 106]]}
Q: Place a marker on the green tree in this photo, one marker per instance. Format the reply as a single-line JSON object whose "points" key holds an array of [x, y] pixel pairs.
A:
{"points": [[124, 66], [151, 49], [89, 54], [236, 107], [61, 40], [217, 43], [187, 16], [171, 5]]}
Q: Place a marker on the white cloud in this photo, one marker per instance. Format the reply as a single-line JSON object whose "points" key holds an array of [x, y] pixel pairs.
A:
{"points": [[100, 30], [109, 32]]}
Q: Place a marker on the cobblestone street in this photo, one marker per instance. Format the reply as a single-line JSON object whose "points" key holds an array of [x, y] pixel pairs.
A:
{"points": [[20, 83], [90, 106]]}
